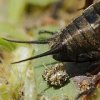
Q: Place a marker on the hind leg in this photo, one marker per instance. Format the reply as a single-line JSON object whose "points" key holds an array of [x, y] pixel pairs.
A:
{"points": [[91, 57]]}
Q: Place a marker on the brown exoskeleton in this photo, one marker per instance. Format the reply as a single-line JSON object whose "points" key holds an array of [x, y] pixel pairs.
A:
{"points": [[77, 42], [80, 39]]}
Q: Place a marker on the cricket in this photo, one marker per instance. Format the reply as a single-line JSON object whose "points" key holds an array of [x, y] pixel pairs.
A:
{"points": [[77, 42]]}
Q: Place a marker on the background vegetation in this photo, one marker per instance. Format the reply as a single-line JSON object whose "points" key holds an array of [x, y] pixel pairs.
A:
{"points": [[22, 20]]}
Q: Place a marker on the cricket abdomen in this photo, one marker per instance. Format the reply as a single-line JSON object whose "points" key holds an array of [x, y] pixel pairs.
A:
{"points": [[85, 30], [81, 36]]}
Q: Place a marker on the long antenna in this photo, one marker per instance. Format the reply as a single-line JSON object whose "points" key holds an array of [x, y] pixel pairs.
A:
{"points": [[29, 42], [50, 52]]}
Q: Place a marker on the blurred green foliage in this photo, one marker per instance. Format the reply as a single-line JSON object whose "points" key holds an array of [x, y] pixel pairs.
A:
{"points": [[26, 77], [42, 2]]}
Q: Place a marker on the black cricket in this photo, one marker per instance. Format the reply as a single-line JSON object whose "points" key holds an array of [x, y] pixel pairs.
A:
{"points": [[77, 42]]}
